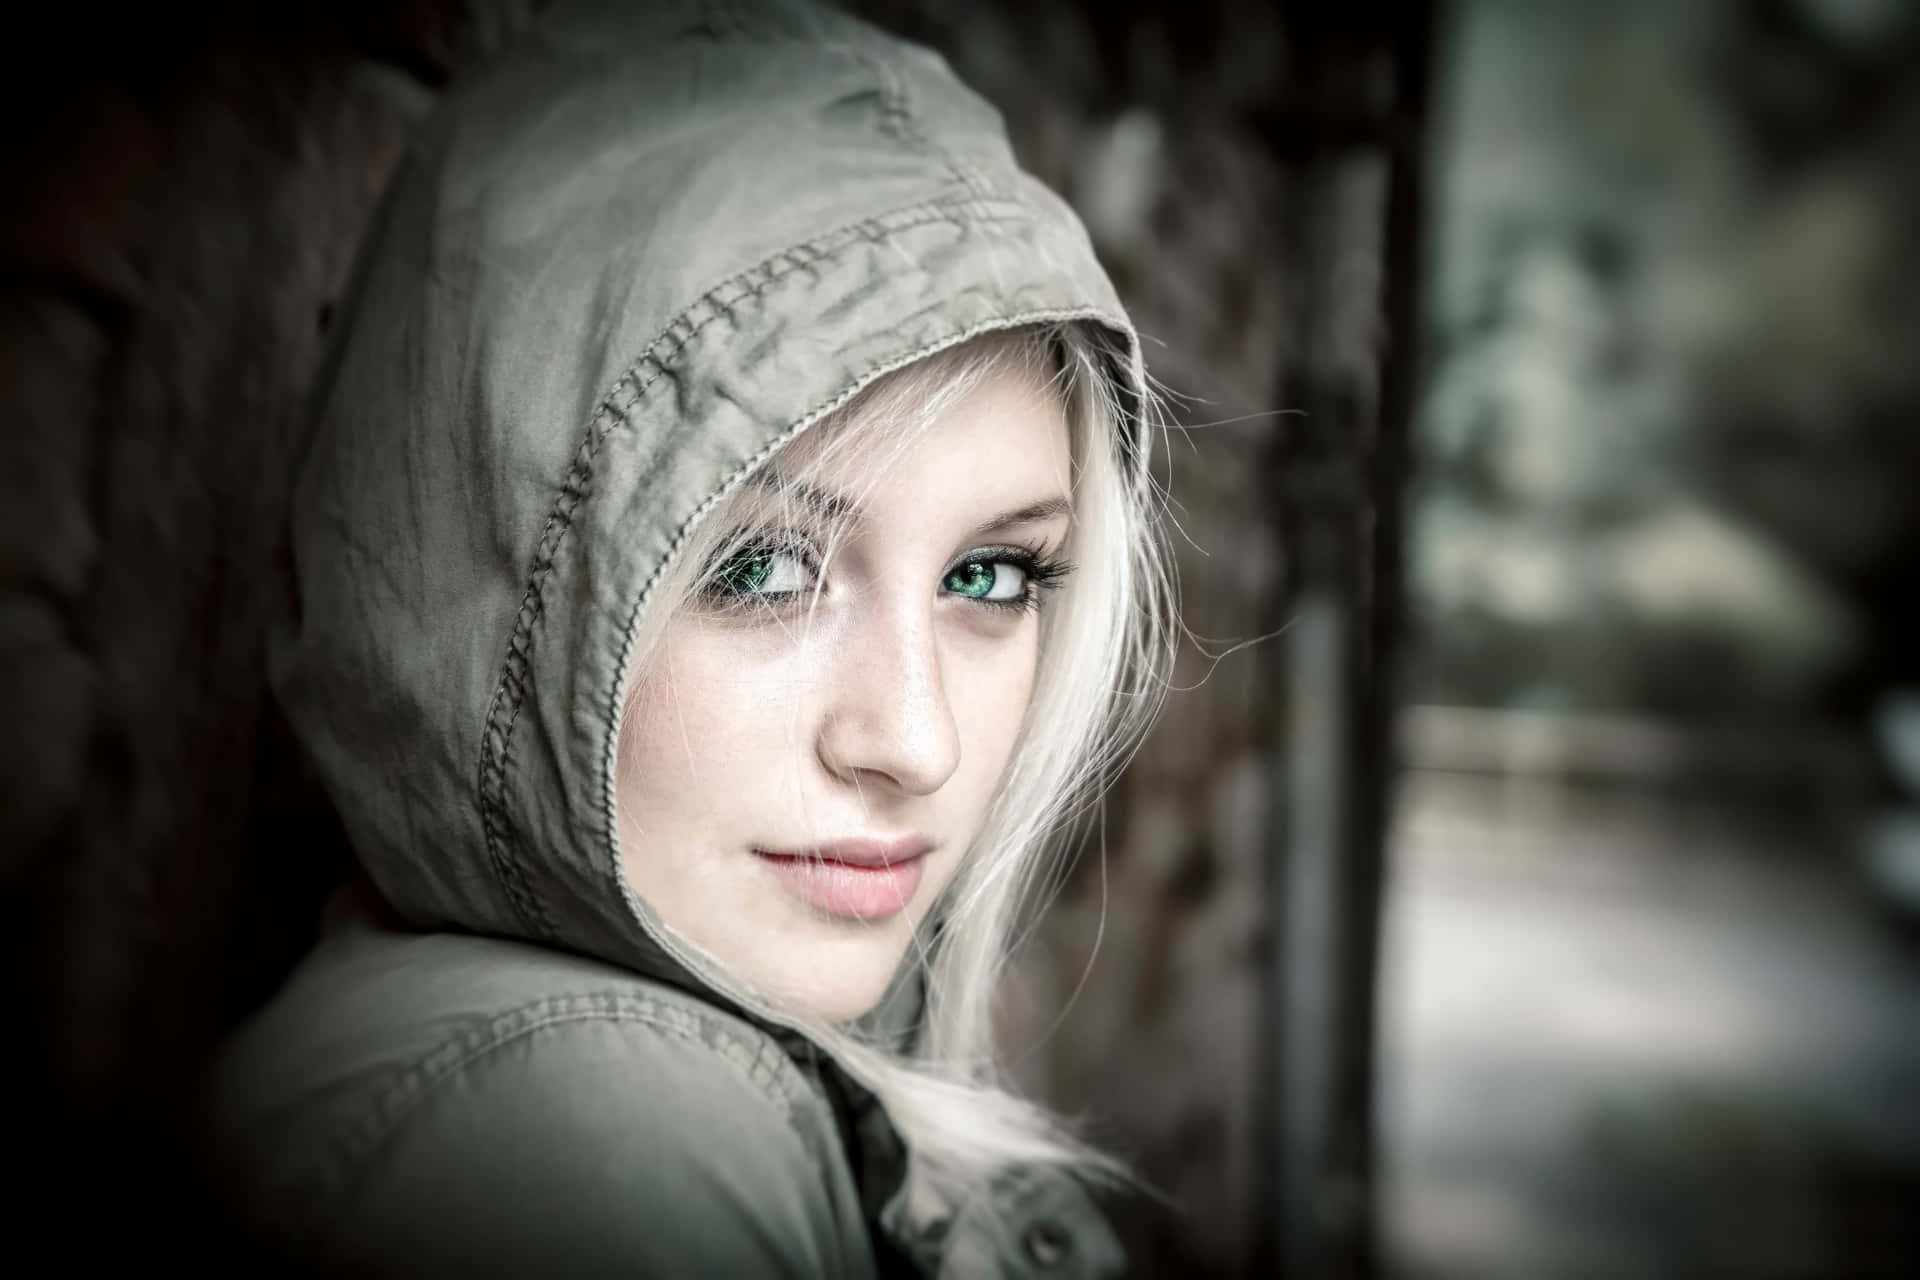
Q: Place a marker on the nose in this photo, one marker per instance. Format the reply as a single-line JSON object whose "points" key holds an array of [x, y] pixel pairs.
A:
{"points": [[888, 718]]}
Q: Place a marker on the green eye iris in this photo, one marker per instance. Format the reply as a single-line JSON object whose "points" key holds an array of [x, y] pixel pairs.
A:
{"points": [[974, 578], [745, 573], [765, 570]]}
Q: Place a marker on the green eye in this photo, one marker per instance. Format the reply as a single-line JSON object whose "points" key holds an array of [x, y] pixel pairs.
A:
{"points": [[761, 570], [993, 580], [971, 579], [745, 574]]}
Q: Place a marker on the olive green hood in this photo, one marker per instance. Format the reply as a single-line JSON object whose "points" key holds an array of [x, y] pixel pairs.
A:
{"points": [[621, 266]]}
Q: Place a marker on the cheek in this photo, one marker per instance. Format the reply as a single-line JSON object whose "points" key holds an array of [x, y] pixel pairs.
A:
{"points": [[990, 700], [702, 724]]}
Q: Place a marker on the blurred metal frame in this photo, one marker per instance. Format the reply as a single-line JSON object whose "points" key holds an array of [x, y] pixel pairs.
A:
{"points": [[1350, 133]]}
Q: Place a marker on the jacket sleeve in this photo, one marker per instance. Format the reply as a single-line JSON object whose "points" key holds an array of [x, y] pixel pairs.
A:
{"points": [[606, 1148]]}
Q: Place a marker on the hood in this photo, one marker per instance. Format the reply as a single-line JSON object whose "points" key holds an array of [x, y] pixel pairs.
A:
{"points": [[621, 266]]}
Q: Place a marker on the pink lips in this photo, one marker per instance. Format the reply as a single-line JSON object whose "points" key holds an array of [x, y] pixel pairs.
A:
{"points": [[857, 879]]}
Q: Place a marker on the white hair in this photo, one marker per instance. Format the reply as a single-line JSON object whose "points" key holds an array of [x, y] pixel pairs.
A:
{"points": [[1105, 642]]}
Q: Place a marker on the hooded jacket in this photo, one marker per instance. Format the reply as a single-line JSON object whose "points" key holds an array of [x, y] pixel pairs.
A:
{"points": [[621, 266]]}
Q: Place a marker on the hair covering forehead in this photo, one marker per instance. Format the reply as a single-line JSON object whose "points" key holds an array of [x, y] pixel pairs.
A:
{"points": [[623, 265]]}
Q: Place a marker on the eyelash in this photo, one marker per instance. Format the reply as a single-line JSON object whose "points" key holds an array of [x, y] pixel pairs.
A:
{"points": [[1040, 573], [738, 550]]}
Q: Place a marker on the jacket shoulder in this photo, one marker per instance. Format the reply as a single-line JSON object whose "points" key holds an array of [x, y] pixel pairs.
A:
{"points": [[442, 1103], [601, 1141]]}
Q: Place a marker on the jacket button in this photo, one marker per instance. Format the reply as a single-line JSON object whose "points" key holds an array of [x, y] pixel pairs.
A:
{"points": [[1047, 1243]]}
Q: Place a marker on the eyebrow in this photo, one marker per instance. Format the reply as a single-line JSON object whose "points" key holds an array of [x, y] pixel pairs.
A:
{"points": [[1031, 514], [826, 505], [833, 507]]}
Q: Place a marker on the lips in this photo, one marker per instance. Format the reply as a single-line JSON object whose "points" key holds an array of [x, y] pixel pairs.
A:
{"points": [[864, 878]]}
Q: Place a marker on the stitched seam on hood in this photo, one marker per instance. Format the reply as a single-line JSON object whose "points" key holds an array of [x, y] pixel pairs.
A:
{"points": [[503, 711]]}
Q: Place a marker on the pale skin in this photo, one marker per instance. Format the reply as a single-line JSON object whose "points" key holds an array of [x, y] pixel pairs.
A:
{"points": [[867, 705]]}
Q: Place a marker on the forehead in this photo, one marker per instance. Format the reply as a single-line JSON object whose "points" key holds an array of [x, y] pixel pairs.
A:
{"points": [[1004, 435]]}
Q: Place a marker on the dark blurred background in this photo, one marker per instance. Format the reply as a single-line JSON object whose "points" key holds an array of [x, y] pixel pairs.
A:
{"points": [[1524, 880]]}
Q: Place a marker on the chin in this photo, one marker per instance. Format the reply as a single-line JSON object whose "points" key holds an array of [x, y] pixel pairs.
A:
{"points": [[840, 978]]}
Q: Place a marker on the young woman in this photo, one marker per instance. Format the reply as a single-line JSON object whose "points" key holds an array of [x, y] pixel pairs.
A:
{"points": [[725, 570]]}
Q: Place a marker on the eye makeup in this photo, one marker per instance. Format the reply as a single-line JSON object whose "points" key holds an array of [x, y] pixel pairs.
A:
{"points": [[767, 569], [981, 576], [776, 568]]}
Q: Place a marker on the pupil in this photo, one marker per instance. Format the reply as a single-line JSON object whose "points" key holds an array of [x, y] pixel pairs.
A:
{"points": [[974, 579]]}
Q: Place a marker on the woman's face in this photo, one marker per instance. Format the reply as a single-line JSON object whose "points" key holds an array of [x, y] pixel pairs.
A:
{"points": [[815, 745]]}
